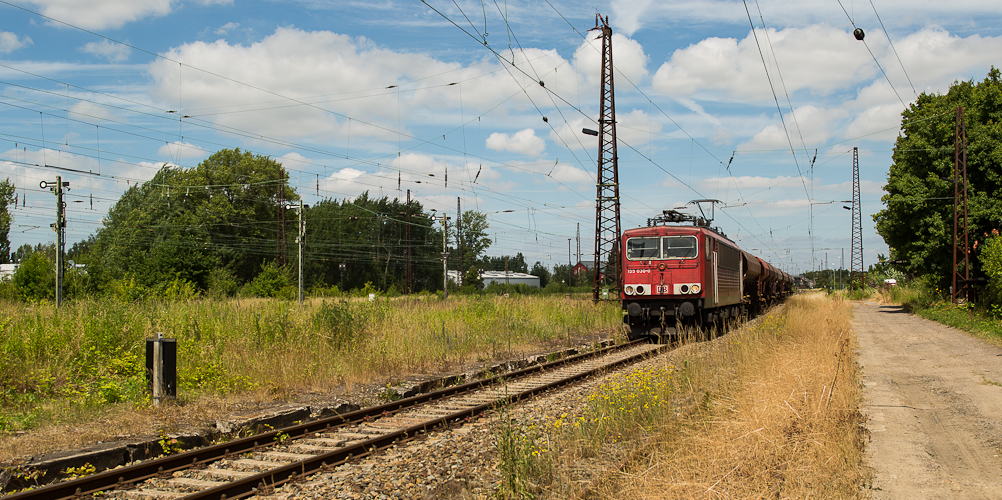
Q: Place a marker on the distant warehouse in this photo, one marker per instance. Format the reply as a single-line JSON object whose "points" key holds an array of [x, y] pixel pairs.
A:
{"points": [[499, 277]]}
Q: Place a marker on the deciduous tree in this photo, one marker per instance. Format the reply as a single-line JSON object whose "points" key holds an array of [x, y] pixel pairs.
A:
{"points": [[917, 219]]}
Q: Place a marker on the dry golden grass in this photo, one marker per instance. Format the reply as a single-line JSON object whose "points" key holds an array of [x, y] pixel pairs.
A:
{"points": [[776, 415]]}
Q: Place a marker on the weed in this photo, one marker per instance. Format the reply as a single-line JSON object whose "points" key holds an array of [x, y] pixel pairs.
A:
{"points": [[281, 437], [84, 470], [523, 457], [169, 445]]}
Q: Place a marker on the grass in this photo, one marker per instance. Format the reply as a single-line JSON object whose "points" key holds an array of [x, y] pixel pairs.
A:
{"points": [[935, 306], [769, 410], [85, 362]]}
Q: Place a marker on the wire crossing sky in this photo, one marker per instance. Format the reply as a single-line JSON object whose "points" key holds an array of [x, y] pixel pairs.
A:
{"points": [[755, 103]]}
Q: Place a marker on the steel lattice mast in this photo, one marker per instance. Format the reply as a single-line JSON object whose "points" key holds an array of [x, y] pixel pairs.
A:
{"points": [[856, 258], [607, 197], [961, 239]]}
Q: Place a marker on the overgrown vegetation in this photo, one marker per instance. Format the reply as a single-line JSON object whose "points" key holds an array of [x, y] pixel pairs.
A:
{"points": [[766, 411], [87, 358]]}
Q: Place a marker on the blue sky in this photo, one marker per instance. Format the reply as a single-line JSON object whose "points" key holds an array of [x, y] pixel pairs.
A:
{"points": [[352, 96]]}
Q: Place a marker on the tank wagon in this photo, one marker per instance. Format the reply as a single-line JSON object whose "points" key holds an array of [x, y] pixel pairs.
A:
{"points": [[680, 271]]}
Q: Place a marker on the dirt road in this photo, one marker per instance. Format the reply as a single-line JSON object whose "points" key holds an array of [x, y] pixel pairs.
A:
{"points": [[933, 396]]}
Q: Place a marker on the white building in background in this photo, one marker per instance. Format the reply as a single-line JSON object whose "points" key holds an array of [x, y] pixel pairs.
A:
{"points": [[500, 277], [7, 271]]}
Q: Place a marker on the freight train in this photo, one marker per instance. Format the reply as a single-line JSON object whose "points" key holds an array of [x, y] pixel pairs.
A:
{"points": [[678, 271]]}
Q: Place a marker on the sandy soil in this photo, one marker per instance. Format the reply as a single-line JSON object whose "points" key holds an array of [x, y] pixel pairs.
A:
{"points": [[933, 396]]}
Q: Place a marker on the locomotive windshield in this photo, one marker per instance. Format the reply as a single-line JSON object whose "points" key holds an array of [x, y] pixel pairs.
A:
{"points": [[680, 247], [642, 248]]}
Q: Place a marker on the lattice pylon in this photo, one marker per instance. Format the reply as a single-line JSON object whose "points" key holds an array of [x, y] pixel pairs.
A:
{"points": [[961, 249], [856, 268], [607, 228]]}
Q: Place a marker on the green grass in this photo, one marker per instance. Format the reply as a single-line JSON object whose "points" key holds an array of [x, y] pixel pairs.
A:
{"points": [[87, 357], [934, 304]]}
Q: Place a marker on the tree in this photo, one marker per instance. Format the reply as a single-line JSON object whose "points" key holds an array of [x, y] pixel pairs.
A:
{"points": [[6, 198], [471, 238], [540, 271], [184, 223], [917, 221], [472, 279], [370, 237], [515, 264]]}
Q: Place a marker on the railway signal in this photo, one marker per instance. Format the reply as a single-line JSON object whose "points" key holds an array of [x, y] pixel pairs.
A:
{"points": [[59, 227]]}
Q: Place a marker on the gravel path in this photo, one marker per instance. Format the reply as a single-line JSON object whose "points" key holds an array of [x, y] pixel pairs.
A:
{"points": [[933, 396]]}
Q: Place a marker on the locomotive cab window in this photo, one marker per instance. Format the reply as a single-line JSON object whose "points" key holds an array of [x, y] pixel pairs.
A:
{"points": [[680, 247], [642, 248]]}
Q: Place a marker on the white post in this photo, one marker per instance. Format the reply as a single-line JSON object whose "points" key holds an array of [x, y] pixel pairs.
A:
{"points": [[158, 370]]}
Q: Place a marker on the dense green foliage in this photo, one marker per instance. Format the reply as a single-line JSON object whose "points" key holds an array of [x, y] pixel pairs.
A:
{"points": [[185, 223], [35, 278], [370, 237], [6, 198], [917, 223], [990, 255]]}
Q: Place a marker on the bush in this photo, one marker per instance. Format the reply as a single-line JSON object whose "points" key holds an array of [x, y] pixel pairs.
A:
{"points": [[991, 264], [344, 323], [271, 282], [222, 283], [35, 278]]}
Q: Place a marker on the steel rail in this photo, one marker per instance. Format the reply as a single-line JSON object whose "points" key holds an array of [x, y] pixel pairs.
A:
{"points": [[125, 477]]}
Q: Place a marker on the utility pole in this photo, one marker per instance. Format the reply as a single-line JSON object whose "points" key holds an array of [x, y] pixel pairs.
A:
{"points": [[856, 255], [459, 239], [300, 239], [607, 229], [408, 285], [280, 243], [445, 254], [60, 228], [961, 250]]}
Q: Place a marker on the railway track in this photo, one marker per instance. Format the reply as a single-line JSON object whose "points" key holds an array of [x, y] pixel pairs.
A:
{"points": [[260, 463]]}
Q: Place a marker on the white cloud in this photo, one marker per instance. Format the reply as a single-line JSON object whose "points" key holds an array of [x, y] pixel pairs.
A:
{"points": [[627, 55], [569, 174], [306, 66], [523, 142], [216, 2], [226, 28], [728, 69], [102, 14], [628, 15], [114, 52], [814, 124], [9, 42], [178, 150]]}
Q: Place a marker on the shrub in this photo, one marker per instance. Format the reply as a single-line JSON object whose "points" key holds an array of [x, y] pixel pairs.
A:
{"points": [[991, 264], [271, 282], [222, 283], [341, 322], [35, 278]]}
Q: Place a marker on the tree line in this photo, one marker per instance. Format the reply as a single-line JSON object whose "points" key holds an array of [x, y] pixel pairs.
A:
{"points": [[230, 225]]}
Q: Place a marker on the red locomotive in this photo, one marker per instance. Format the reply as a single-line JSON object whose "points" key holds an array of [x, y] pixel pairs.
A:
{"points": [[690, 275]]}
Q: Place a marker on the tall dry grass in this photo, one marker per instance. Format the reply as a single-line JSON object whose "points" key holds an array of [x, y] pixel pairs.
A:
{"points": [[766, 411], [785, 425]]}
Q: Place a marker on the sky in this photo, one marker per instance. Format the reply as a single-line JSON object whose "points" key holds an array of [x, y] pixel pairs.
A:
{"points": [[757, 104]]}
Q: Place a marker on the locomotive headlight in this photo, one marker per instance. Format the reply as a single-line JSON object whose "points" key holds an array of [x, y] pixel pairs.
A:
{"points": [[684, 288], [640, 289], [629, 290], [695, 288]]}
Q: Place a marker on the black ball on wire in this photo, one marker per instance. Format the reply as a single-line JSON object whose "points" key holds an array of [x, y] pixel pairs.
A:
{"points": [[858, 33]]}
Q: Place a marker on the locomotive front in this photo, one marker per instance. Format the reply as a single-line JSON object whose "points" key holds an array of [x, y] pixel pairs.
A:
{"points": [[663, 272]]}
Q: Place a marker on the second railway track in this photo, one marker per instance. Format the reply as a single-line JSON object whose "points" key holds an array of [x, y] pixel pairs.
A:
{"points": [[259, 463]]}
